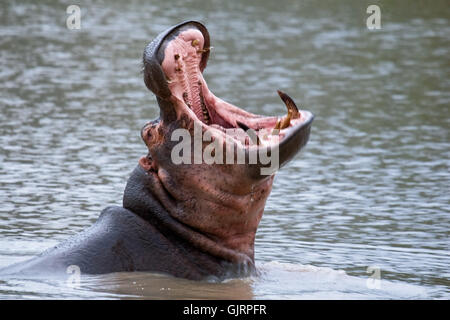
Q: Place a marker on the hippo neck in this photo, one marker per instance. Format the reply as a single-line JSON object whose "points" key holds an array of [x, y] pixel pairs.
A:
{"points": [[141, 198]]}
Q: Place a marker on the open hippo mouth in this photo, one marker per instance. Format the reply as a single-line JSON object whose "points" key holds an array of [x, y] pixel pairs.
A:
{"points": [[173, 66]]}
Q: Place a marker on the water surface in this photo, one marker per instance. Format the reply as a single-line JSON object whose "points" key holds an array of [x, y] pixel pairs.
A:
{"points": [[371, 189]]}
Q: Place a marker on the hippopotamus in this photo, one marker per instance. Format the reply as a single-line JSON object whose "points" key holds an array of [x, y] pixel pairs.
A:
{"points": [[193, 219]]}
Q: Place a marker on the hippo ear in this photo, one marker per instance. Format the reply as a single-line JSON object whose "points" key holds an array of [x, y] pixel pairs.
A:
{"points": [[154, 77]]}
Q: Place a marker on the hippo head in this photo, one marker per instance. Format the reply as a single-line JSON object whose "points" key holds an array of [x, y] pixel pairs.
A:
{"points": [[210, 164]]}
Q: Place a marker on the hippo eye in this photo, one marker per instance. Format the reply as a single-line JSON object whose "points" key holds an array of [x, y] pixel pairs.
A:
{"points": [[144, 133]]}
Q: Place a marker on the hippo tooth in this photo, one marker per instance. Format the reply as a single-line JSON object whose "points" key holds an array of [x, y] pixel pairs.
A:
{"points": [[205, 50], [276, 129], [286, 122], [290, 105], [242, 125], [250, 132]]}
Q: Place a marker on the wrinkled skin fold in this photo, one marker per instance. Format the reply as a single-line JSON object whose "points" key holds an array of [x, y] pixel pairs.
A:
{"points": [[193, 220]]}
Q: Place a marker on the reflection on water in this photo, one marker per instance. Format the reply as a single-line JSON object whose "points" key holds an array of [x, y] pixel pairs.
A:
{"points": [[275, 281], [371, 188]]}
